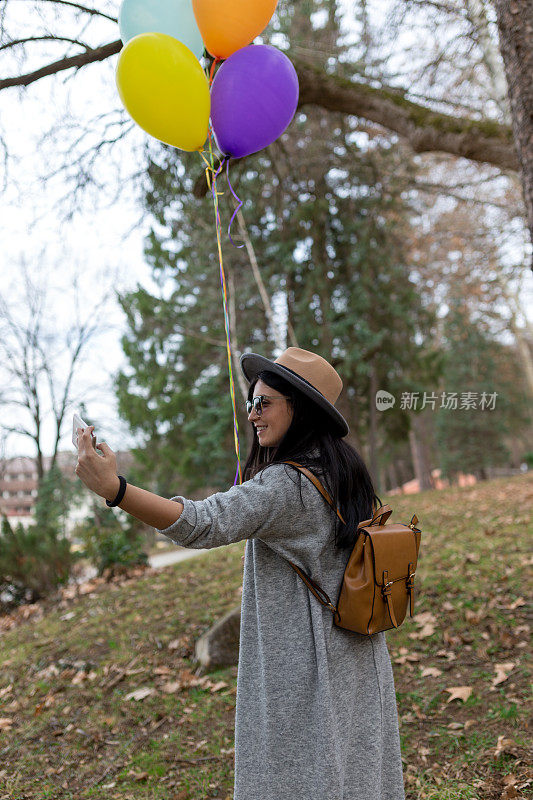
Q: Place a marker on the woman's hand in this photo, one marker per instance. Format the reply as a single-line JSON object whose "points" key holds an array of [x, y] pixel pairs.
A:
{"points": [[97, 471]]}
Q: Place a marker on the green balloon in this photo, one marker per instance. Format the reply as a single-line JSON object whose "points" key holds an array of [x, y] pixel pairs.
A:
{"points": [[173, 17]]}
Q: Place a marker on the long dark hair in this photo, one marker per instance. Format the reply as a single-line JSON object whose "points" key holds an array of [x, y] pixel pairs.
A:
{"points": [[312, 441]]}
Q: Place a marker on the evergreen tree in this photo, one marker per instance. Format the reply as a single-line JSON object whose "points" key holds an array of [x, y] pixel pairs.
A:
{"points": [[328, 231], [472, 436]]}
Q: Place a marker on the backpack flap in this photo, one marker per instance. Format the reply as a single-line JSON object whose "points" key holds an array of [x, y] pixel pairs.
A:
{"points": [[394, 548], [394, 553]]}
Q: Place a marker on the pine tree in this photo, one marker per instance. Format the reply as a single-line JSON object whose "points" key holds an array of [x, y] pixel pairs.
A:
{"points": [[472, 436], [328, 230]]}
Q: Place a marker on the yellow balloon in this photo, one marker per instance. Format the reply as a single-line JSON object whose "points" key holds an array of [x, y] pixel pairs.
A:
{"points": [[165, 90]]}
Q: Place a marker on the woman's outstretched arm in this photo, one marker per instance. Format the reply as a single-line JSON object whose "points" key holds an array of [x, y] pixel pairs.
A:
{"points": [[98, 471]]}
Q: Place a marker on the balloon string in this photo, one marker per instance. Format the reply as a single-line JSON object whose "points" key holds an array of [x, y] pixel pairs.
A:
{"points": [[212, 176], [212, 70], [239, 202]]}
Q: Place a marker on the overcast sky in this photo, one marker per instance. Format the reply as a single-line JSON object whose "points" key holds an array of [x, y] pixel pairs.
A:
{"points": [[103, 240]]}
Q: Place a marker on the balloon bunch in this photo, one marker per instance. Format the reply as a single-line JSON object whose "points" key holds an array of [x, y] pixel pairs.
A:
{"points": [[245, 104], [252, 97]]}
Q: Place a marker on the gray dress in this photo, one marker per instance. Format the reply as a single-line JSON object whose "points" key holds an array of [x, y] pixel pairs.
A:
{"points": [[316, 715]]}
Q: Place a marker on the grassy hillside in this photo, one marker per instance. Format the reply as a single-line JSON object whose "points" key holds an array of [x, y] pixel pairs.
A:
{"points": [[98, 696]]}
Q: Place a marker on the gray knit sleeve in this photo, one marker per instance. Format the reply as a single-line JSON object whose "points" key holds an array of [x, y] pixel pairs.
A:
{"points": [[267, 507]]}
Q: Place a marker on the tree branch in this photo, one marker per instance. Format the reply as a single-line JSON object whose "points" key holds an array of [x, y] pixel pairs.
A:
{"points": [[426, 130], [91, 11], [80, 60], [50, 38]]}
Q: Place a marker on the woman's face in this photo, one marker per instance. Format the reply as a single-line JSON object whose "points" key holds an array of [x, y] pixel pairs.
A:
{"points": [[276, 418]]}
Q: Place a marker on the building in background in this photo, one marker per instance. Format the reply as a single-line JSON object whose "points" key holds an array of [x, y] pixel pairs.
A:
{"points": [[19, 487]]}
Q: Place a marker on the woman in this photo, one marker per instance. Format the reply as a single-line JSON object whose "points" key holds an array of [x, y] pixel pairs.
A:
{"points": [[316, 715]]}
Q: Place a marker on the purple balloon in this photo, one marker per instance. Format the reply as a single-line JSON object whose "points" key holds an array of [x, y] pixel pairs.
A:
{"points": [[253, 99]]}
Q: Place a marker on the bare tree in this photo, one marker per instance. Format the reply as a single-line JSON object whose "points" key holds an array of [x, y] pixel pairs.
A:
{"points": [[515, 24], [39, 361], [426, 128], [446, 107]]}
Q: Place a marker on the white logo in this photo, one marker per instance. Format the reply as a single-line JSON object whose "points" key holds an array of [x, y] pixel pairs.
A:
{"points": [[384, 400]]}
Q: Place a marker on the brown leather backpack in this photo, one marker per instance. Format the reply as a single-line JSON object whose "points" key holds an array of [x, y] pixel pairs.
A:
{"points": [[379, 577]]}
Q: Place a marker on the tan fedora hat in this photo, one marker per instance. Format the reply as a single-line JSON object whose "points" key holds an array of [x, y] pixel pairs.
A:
{"points": [[309, 372]]}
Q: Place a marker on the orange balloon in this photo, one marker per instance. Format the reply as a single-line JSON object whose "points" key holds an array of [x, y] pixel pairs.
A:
{"points": [[228, 25]]}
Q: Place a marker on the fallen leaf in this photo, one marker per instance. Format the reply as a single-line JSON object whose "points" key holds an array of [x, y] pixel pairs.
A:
{"points": [[427, 630], [171, 688], [405, 656], [451, 638], [473, 616], [502, 673], [455, 726], [200, 744], [217, 686], [506, 640], [425, 617], [188, 678], [137, 776], [449, 654], [140, 694], [431, 672], [516, 604], [522, 629], [5, 723], [503, 745], [459, 693], [6, 690]]}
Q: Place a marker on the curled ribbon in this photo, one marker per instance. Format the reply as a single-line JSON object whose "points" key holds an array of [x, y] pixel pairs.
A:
{"points": [[211, 176], [239, 204]]}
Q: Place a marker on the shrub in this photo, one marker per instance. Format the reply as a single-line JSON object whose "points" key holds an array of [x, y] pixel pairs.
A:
{"points": [[109, 544], [33, 562]]}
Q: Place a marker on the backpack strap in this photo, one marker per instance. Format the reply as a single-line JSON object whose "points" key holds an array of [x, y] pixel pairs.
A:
{"points": [[381, 514], [313, 587], [380, 517], [318, 485]]}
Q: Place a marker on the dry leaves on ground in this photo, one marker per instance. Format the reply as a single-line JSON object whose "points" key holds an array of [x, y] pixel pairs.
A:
{"points": [[502, 673], [458, 693]]}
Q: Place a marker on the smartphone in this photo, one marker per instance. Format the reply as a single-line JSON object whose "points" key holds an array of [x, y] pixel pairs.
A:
{"points": [[77, 422]]}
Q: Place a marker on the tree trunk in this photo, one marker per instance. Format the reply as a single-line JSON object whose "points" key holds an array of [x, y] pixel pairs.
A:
{"points": [[373, 433], [515, 25], [394, 481], [419, 453]]}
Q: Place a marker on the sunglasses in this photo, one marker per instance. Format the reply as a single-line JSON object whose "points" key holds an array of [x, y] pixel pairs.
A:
{"points": [[257, 403]]}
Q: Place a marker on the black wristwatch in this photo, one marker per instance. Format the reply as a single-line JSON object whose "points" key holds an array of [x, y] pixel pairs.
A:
{"points": [[120, 494]]}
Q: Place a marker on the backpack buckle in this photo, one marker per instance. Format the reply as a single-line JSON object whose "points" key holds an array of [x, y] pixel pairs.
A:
{"points": [[385, 590], [409, 581]]}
